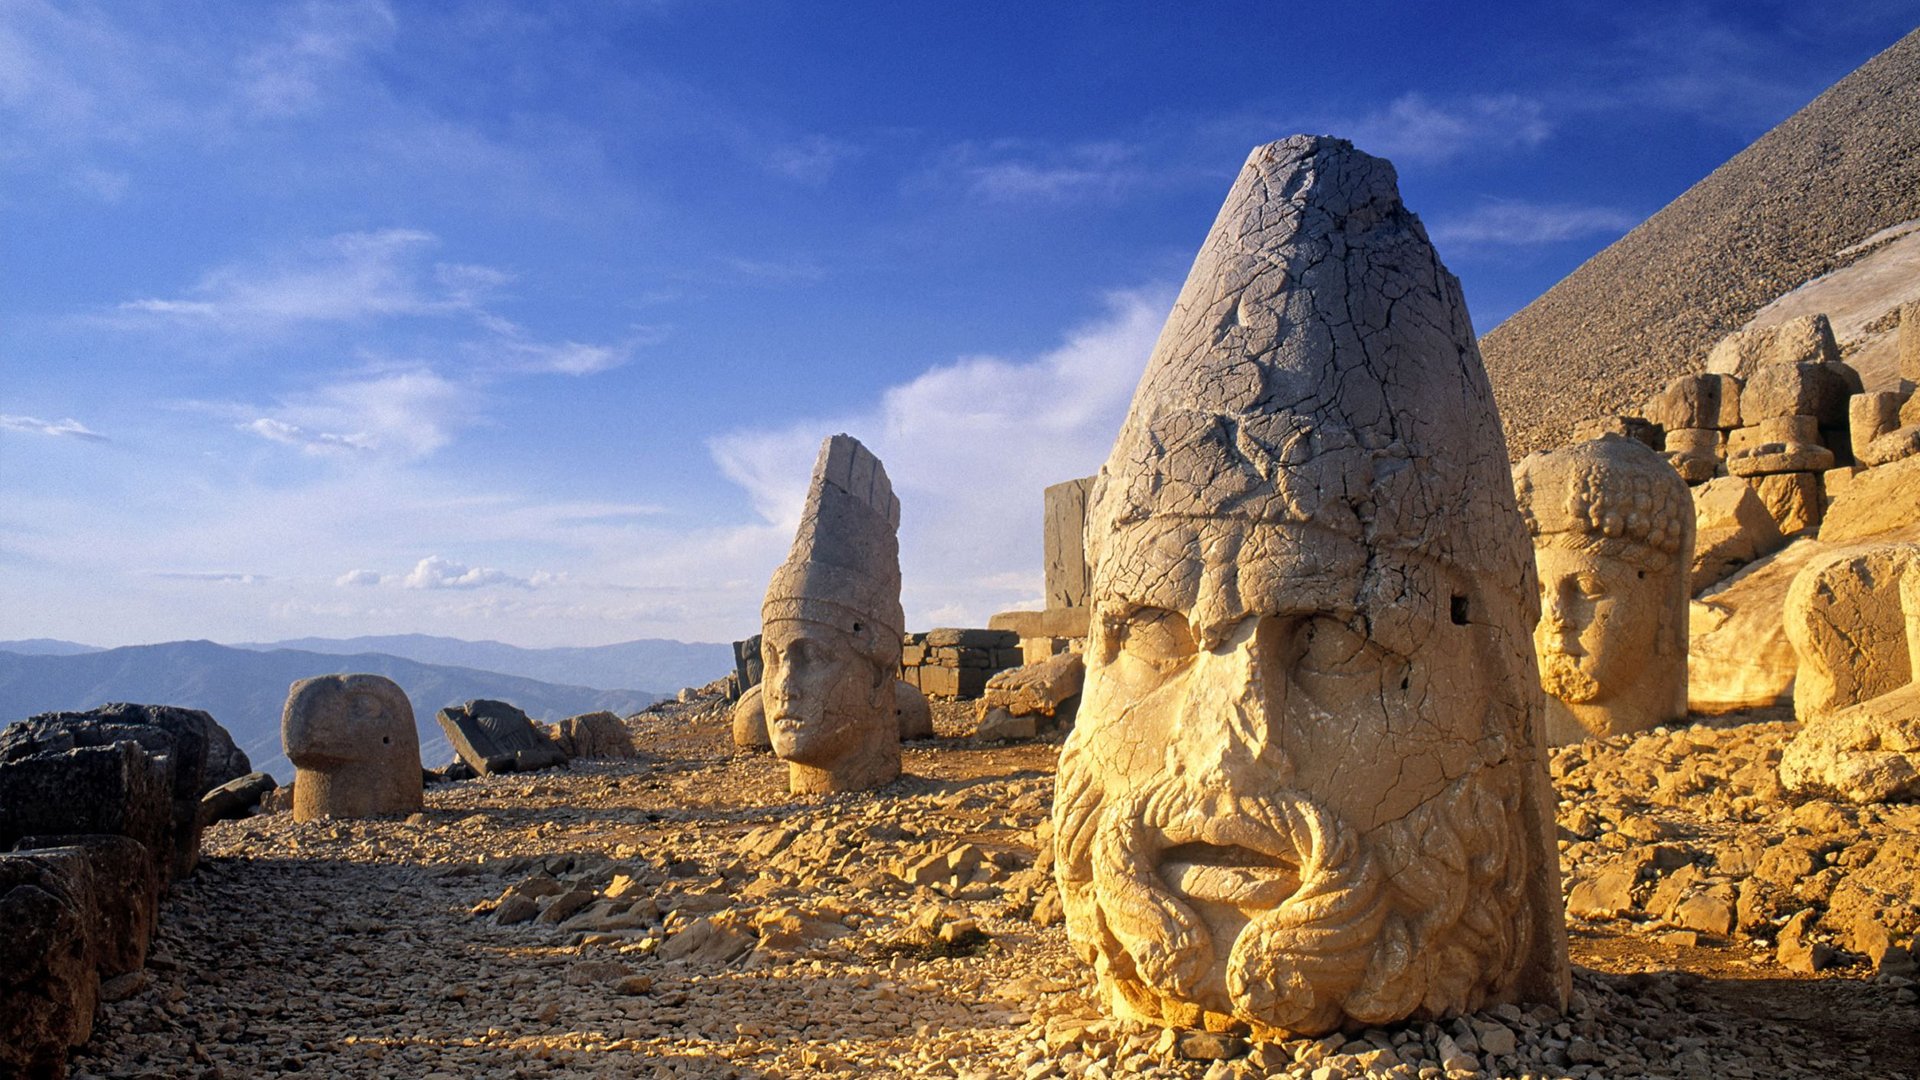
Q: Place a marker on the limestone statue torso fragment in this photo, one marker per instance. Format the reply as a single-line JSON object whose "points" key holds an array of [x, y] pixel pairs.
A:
{"points": [[1305, 789]]}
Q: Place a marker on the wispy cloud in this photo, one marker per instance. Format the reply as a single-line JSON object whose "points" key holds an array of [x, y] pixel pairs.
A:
{"points": [[409, 414], [1508, 223], [359, 578], [288, 74], [968, 446], [1414, 127], [1026, 170], [811, 159], [70, 428], [215, 577], [352, 276]]}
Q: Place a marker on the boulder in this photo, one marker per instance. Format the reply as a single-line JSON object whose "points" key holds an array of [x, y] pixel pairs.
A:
{"points": [[1636, 428], [1792, 499], [916, 716], [49, 981], [595, 735], [1819, 391], [236, 798], [1732, 528], [1876, 502], [188, 739], [1046, 689], [118, 789], [1738, 655], [1867, 753], [1807, 339], [1706, 400], [749, 721], [1844, 617], [494, 737]]}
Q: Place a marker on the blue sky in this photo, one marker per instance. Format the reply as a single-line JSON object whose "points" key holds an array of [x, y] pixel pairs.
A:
{"points": [[485, 320]]}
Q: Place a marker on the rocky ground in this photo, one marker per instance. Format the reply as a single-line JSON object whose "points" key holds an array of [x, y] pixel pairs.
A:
{"points": [[684, 916]]}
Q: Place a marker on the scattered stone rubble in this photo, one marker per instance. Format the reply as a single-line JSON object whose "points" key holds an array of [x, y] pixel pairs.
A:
{"points": [[953, 662], [690, 918]]}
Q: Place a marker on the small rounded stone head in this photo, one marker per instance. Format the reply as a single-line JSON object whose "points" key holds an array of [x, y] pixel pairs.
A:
{"points": [[354, 748], [1612, 527]]}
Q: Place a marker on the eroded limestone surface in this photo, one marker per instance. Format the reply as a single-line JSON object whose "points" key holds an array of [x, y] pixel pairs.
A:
{"points": [[831, 629], [1612, 529], [1306, 790], [354, 749]]}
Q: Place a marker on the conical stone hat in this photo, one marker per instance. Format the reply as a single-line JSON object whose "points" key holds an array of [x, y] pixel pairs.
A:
{"points": [[844, 567], [1317, 380]]}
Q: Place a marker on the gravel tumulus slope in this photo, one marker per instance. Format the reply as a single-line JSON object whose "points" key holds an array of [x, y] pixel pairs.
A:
{"points": [[1650, 306]]}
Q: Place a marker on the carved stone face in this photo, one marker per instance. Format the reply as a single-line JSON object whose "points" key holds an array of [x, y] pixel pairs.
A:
{"points": [[1256, 756], [819, 692], [1599, 624]]}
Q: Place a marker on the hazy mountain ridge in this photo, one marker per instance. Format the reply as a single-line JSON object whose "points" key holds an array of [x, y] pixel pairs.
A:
{"points": [[660, 664], [245, 689]]}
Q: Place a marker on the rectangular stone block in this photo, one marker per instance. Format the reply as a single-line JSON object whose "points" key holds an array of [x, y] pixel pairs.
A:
{"points": [[1793, 500], [117, 789], [913, 655], [1064, 543], [911, 676], [953, 682], [1696, 442], [1834, 482], [1035, 649], [1778, 430], [747, 663], [1697, 401], [948, 636], [1005, 658], [1817, 390], [1053, 622], [49, 977]]}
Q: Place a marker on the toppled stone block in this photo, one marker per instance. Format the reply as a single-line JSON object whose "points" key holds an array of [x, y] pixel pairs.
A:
{"points": [[595, 735], [49, 981], [1816, 390], [955, 637], [1805, 340], [1869, 416], [118, 789], [493, 737], [997, 724], [1793, 499], [1732, 528], [189, 740], [354, 748], [1845, 618], [124, 902], [747, 665], [235, 798], [1045, 689], [1707, 400], [1878, 500]]}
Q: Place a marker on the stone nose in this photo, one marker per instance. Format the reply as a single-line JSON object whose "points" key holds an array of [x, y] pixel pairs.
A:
{"points": [[1236, 694]]}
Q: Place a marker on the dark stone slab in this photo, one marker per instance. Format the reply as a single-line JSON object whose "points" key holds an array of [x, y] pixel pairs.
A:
{"points": [[49, 981], [236, 798], [746, 665], [494, 737], [126, 895], [118, 789]]}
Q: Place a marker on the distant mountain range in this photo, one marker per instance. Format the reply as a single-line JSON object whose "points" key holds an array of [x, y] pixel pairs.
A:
{"points": [[245, 688], [656, 664]]}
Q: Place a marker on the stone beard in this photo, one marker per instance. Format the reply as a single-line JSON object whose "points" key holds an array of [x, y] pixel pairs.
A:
{"points": [[1612, 528], [1289, 801], [829, 705]]}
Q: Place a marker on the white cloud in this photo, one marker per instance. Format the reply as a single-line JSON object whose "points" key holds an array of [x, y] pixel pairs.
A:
{"points": [[1415, 128], [434, 572], [1508, 223], [358, 578], [968, 446], [408, 414], [69, 427], [349, 277]]}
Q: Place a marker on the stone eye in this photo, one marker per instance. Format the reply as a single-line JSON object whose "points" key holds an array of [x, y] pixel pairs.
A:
{"points": [[1156, 635], [1331, 646]]}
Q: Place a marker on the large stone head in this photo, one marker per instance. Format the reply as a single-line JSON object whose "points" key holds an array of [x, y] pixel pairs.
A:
{"points": [[1304, 790], [354, 747], [831, 628], [1612, 527]]}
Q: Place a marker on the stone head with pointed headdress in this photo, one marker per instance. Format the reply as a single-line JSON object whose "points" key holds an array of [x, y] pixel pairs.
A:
{"points": [[1305, 789], [831, 629]]}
